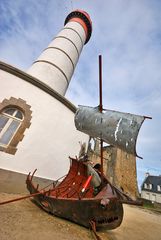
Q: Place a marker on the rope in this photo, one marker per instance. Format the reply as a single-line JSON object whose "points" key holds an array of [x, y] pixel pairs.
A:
{"points": [[93, 228], [54, 182]]}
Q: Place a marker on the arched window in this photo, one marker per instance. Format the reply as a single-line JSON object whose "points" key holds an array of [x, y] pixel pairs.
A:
{"points": [[10, 121], [15, 117]]}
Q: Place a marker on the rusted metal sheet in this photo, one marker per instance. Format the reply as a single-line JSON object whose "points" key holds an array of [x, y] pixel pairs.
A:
{"points": [[116, 128]]}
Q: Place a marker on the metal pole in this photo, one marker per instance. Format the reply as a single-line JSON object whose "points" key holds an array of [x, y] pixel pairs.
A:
{"points": [[24, 197], [100, 83], [100, 108]]}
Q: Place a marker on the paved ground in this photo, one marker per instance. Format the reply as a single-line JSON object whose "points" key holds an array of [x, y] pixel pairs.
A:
{"points": [[138, 224], [23, 220]]}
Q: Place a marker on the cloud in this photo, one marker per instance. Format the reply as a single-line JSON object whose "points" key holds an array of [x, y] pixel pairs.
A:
{"points": [[26, 28], [127, 34]]}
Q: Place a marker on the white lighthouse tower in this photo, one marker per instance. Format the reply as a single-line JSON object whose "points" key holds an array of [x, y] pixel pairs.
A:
{"points": [[56, 64], [36, 120]]}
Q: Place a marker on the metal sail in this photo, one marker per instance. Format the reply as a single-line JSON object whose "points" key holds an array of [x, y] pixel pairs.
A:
{"points": [[116, 128]]}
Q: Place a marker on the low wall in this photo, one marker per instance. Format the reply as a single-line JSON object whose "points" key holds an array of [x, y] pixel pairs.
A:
{"points": [[13, 182]]}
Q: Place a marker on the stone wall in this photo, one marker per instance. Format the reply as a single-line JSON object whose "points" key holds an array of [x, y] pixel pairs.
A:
{"points": [[119, 167]]}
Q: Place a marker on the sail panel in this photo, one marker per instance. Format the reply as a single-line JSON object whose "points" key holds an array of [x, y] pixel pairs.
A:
{"points": [[116, 128]]}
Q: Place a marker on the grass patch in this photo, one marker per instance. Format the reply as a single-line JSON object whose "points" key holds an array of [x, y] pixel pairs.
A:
{"points": [[156, 207]]}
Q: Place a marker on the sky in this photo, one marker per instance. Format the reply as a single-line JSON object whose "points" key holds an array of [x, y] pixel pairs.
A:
{"points": [[128, 36]]}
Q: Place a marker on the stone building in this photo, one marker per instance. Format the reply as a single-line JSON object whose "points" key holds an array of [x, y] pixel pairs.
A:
{"points": [[119, 167], [151, 188]]}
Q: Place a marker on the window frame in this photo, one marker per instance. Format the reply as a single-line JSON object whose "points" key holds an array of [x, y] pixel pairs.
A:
{"points": [[11, 119], [20, 105], [159, 188], [148, 186], [145, 185]]}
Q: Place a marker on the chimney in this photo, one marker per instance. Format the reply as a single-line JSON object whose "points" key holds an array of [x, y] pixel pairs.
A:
{"points": [[147, 174], [56, 64]]}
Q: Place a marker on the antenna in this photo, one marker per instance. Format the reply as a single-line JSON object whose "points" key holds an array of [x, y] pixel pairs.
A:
{"points": [[100, 109]]}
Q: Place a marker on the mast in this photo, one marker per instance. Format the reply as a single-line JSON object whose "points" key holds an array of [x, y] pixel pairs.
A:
{"points": [[100, 109]]}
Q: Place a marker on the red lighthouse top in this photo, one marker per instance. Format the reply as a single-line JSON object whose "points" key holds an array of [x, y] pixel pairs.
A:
{"points": [[83, 18]]}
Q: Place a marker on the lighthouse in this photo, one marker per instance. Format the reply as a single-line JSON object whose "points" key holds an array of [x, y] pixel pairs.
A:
{"points": [[36, 120], [56, 64]]}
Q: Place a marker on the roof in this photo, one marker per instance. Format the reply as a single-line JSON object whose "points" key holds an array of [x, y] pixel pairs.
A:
{"points": [[155, 181], [38, 83]]}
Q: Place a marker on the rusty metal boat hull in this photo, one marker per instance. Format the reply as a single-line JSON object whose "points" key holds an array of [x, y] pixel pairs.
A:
{"points": [[104, 209]]}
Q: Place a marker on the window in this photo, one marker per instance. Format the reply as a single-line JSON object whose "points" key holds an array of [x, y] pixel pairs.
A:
{"points": [[148, 186], [159, 188], [10, 121], [15, 117]]}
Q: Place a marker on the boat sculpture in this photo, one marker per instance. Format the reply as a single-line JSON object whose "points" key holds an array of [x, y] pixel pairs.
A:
{"points": [[77, 198], [86, 196], [67, 200]]}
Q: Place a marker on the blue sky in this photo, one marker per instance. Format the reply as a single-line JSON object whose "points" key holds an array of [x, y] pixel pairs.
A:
{"points": [[128, 36]]}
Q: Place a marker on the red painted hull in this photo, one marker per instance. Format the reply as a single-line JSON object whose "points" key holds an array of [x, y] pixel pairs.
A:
{"points": [[67, 201]]}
